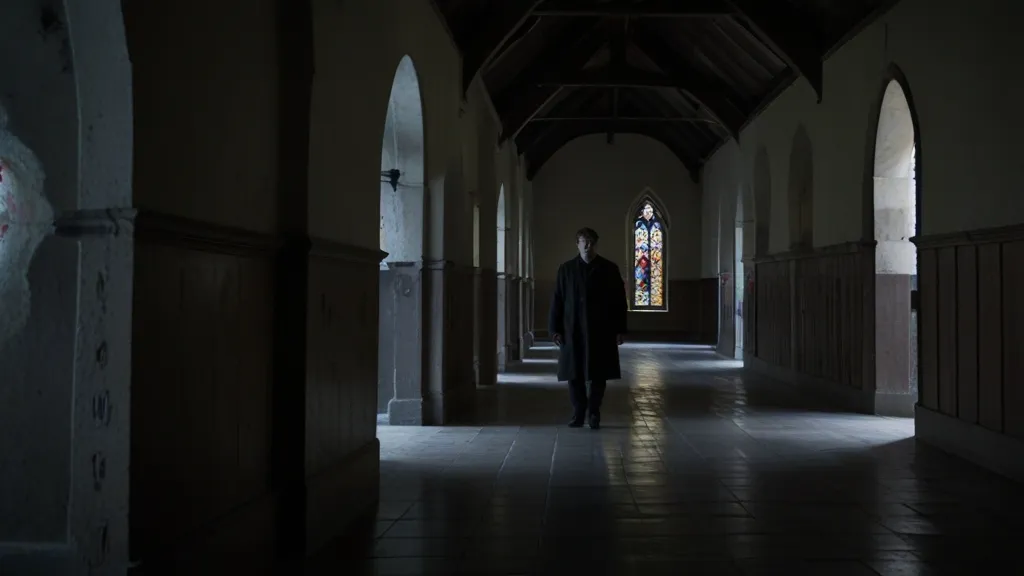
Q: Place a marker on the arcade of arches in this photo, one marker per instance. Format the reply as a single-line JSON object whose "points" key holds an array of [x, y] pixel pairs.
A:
{"points": [[227, 336]]}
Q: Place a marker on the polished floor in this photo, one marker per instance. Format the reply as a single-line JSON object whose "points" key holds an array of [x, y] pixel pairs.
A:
{"points": [[700, 468]]}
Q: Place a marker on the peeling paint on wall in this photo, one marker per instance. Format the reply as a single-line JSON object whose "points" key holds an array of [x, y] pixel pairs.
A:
{"points": [[25, 220]]}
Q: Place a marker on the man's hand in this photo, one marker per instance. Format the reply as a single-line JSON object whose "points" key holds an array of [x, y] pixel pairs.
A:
{"points": [[620, 339], [557, 339]]}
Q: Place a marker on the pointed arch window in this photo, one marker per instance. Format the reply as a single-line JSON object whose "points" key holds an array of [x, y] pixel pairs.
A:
{"points": [[650, 237]]}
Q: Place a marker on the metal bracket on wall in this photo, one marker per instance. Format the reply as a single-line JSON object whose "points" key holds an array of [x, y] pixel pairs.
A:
{"points": [[391, 177]]}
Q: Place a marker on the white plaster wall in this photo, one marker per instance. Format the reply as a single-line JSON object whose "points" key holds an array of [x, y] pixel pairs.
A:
{"points": [[955, 61], [37, 90], [64, 409], [359, 44], [402, 208], [214, 112], [591, 183]]}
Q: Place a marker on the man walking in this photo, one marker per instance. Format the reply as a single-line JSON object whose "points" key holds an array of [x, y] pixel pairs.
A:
{"points": [[588, 323]]}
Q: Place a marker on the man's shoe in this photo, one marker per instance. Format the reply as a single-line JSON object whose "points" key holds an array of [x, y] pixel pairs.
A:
{"points": [[576, 422], [595, 421]]}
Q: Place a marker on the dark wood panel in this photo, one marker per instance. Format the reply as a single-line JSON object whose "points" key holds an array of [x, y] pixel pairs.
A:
{"points": [[773, 317], [1013, 338], [750, 311], [990, 337], [829, 322], [947, 338], [967, 333], [928, 338], [202, 342]]}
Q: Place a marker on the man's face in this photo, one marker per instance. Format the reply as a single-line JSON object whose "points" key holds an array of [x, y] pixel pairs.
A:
{"points": [[585, 246]]}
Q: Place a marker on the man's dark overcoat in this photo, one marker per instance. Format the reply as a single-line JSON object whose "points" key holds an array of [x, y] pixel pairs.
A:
{"points": [[589, 311]]}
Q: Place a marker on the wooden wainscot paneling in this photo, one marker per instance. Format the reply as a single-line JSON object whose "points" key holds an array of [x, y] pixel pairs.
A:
{"points": [[341, 387], [810, 311], [459, 360], [487, 343], [773, 318], [201, 383], [972, 327]]}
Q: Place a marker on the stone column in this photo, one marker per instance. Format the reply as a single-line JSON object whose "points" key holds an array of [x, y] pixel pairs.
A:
{"points": [[487, 342], [895, 268], [434, 341], [530, 313], [460, 365], [100, 440], [404, 288], [478, 312], [503, 351], [512, 307]]}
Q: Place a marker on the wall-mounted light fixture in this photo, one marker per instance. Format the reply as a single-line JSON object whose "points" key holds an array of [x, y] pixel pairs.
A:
{"points": [[391, 177]]}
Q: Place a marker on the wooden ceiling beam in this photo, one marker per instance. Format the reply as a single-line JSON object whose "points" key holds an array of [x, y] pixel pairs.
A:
{"points": [[494, 32], [711, 93], [610, 77], [647, 9], [568, 107], [792, 35], [657, 119], [546, 147], [524, 99], [658, 102]]}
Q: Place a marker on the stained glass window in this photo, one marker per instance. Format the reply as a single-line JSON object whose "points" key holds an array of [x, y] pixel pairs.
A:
{"points": [[649, 237]]}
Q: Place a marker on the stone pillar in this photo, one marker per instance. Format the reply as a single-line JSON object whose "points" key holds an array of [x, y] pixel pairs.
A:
{"points": [[531, 319], [487, 343], [100, 452], [434, 341], [514, 333], [503, 351], [895, 266], [478, 312], [386, 342], [404, 288], [459, 393], [528, 318]]}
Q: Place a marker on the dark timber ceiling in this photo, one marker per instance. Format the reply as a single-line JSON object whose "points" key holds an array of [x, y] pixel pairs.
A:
{"points": [[689, 73]]}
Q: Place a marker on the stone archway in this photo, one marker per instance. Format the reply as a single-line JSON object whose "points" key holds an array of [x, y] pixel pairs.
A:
{"points": [[500, 266], [895, 200], [67, 372], [402, 232]]}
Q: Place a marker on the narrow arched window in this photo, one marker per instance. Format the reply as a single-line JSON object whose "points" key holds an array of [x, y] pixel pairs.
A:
{"points": [[650, 236]]}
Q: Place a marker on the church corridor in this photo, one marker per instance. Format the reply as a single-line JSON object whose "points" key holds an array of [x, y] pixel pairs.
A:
{"points": [[700, 468], [276, 282]]}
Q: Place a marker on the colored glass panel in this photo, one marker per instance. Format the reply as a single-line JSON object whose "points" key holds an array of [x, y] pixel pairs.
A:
{"points": [[649, 237]]}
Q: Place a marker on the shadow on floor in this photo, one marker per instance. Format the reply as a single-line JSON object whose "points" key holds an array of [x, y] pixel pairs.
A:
{"points": [[701, 469]]}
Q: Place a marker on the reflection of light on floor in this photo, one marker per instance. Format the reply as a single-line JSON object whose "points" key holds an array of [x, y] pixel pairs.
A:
{"points": [[714, 365], [647, 393], [527, 379], [733, 397]]}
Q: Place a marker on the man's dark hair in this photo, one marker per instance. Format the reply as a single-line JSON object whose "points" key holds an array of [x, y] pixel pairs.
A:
{"points": [[588, 234]]}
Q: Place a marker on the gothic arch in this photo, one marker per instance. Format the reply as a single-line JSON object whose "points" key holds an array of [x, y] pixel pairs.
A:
{"points": [[762, 202], [502, 220], [648, 232], [893, 201], [402, 236], [69, 159], [906, 110], [402, 165], [801, 191]]}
